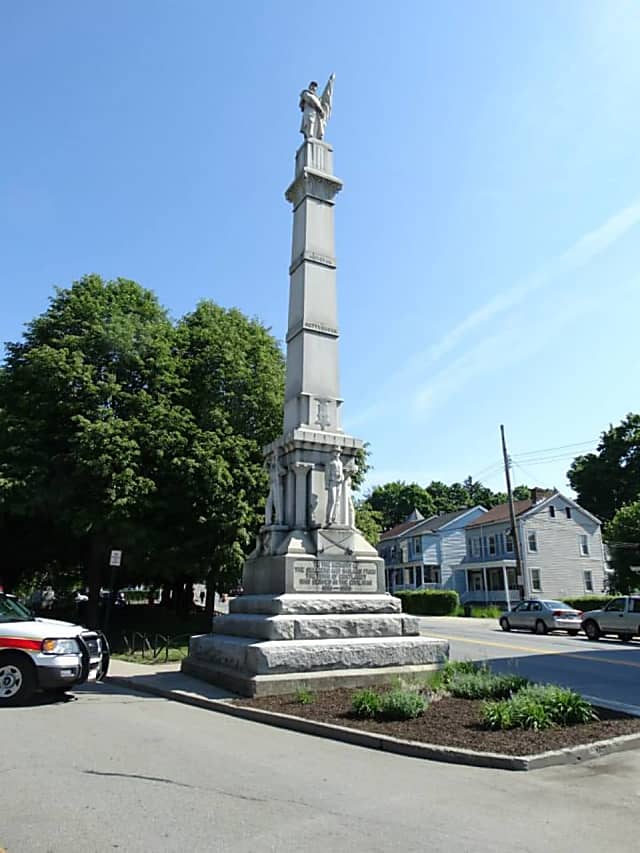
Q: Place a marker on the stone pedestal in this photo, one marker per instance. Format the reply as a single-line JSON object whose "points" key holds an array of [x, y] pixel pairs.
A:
{"points": [[315, 612]]}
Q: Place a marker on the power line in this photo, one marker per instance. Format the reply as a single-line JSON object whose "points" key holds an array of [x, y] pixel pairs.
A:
{"points": [[566, 447]]}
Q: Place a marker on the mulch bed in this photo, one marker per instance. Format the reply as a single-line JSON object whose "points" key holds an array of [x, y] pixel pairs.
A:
{"points": [[450, 722]]}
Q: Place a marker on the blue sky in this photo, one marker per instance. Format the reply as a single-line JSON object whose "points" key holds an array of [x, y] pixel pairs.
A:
{"points": [[487, 234]]}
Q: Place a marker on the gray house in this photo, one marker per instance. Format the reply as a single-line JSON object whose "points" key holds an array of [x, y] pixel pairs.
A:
{"points": [[561, 550], [424, 553]]}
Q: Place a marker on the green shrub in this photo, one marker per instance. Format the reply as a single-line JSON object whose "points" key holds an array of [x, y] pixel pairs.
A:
{"points": [[402, 705], [429, 602], [485, 685], [538, 706], [366, 704], [443, 677], [588, 602], [304, 696]]}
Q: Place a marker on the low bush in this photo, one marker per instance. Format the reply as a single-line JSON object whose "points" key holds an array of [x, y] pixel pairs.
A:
{"points": [[429, 602], [396, 704], [443, 677], [538, 706], [366, 704], [402, 705], [588, 602], [485, 685], [480, 612]]}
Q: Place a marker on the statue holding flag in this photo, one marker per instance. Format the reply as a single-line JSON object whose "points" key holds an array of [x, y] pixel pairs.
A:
{"points": [[316, 111]]}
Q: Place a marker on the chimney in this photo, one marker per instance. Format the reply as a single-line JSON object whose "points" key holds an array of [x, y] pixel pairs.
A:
{"points": [[537, 494]]}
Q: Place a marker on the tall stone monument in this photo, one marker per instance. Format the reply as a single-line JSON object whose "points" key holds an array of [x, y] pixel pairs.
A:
{"points": [[314, 611]]}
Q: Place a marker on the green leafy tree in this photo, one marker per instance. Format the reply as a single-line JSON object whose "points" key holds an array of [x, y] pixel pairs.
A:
{"points": [[232, 383], [368, 522], [86, 416], [394, 501], [609, 479], [623, 536]]}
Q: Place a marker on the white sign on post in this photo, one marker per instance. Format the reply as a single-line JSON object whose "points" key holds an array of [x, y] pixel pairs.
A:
{"points": [[115, 558]]}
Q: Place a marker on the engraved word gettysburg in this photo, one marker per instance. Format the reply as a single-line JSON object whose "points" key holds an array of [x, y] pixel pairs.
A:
{"points": [[315, 612]]}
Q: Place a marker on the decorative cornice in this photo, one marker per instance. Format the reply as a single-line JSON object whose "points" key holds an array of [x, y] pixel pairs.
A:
{"points": [[314, 184]]}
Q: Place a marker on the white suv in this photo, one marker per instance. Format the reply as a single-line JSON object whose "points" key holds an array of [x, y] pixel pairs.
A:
{"points": [[45, 654]]}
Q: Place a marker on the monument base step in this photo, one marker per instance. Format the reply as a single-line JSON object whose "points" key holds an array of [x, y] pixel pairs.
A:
{"points": [[316, 627], [250, 685], [305, 603]]}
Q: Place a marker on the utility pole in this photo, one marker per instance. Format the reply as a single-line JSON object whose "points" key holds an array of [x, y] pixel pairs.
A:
{"points": [[512, 514]]}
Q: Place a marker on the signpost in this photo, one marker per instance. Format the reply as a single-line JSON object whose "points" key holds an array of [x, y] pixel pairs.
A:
{"points": [[115, 561]]}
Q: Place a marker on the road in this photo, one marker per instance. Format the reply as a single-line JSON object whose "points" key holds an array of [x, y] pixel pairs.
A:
{"points": [[607, 670], [116, 770]]}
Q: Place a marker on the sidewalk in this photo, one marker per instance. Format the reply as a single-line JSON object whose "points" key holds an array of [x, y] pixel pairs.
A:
{"points": [[166, 680]]}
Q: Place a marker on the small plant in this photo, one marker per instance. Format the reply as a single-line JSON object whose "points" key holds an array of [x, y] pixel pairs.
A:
{"points": [[402, 705], [539, 706], [304, 696], [443, 677], [485, 685], [366, 704]]}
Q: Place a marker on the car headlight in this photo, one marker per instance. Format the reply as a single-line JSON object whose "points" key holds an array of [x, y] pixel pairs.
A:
{"points": [[60, 647]]}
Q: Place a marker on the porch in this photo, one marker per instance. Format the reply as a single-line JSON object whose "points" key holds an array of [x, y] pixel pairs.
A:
{"points": [[491, 583]]}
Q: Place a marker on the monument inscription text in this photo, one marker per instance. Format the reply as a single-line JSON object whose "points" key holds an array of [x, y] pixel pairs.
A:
{"points": [[334, 576]]}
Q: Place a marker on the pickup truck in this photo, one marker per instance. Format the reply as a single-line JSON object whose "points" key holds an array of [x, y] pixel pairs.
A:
{"points": [[620, 616], [45, 654]]}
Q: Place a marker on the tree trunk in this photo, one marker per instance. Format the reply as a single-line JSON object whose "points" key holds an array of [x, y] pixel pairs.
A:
{"points": [[212, 583], [97, 560]]}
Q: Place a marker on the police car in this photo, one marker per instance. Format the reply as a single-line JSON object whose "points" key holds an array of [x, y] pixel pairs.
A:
{"points": [[45, 654]]}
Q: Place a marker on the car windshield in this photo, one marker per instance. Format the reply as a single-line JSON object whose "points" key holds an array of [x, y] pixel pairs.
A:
{"points": [[557, 605], [12, 611]]}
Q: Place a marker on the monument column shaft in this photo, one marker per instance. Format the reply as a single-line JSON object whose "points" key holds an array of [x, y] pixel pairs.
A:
{"points": [[312, 396]]}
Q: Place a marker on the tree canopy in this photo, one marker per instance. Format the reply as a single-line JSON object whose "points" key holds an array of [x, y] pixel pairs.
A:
{"points": [[393, 502], [609, 479], [121, 429], [623, 536]]}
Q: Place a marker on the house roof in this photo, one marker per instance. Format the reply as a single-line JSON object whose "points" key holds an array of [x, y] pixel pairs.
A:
{"points": [[393, 532], [501, 513], [431, 524]]}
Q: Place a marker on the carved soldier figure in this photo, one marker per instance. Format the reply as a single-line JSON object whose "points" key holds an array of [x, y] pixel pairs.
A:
{"points": [[274, 500], [315, 110], [335, 482], [347, 498]]}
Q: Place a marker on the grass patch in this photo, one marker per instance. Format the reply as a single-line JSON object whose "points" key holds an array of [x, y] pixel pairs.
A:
{"points": [[537, 707], [487, 612]]}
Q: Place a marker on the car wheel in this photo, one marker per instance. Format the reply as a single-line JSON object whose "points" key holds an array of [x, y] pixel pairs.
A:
{"points": [[625, 638], [17, 679], [572, 633], [504, 624], [540, 627], [592, 630]]}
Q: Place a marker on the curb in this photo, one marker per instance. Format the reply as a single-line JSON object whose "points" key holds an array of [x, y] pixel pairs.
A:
{"points": [[386, 743]]}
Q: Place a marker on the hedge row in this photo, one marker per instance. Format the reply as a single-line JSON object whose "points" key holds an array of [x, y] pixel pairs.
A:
{"points": [[588, 602], [429, 602]]}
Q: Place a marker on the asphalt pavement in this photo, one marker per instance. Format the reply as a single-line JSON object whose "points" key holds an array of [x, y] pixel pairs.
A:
{"points": [[606, 671], [114, 769]]}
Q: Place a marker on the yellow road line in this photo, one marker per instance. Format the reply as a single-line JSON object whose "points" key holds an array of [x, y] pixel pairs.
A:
{"points": [[577, 656]]}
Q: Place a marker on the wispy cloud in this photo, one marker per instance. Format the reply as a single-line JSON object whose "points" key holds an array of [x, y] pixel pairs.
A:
{"points": [[477, 356]]}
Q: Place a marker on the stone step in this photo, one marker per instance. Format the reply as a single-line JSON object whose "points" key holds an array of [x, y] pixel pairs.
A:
{"points": [[300, 604], [316, 627], [253, 657]]}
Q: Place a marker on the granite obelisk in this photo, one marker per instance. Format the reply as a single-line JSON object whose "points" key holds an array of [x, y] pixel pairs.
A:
{"points": [[314, 611]]}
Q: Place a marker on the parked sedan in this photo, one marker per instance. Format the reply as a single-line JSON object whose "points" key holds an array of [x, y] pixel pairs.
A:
{"points": [[542, 616]]}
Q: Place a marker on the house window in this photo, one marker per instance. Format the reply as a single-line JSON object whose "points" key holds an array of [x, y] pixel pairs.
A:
{"points": [[536, 586], [509, 540], [416, 545], [475, 544], [492, 545], [392, 552], [567, 510], [584, 544], [588, 581], [532, 540], [432, 574], [552, 511]]}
